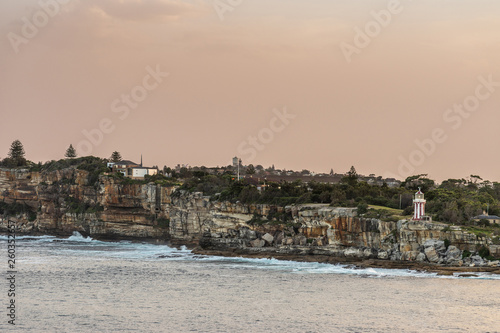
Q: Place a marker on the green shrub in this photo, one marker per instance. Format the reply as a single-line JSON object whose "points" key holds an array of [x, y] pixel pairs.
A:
{"points": [[76, 206], [484, 252], [163, 222], [447, 243], [31, 216], [362, 208], [257, 220], [17, 209]]}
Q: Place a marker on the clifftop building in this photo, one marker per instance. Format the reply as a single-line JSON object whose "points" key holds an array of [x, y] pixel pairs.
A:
{"points": [[131, 169]]}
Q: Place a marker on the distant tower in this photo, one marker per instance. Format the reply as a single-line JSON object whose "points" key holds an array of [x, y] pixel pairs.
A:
{"points": [[141, 160], [235, 162], [419, 205]]}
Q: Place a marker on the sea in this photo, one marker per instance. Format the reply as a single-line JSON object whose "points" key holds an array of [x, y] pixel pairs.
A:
{"points": [[78, 284]]}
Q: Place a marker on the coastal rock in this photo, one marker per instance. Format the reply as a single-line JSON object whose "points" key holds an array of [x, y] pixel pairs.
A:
{"points": [[279, 238], [421, 257], [477, 261], [494, 263], [268, 238], [433, 248], [353, 253], [257, 243], [382, 255], [246, 233], [494, 250], [453, 255]]}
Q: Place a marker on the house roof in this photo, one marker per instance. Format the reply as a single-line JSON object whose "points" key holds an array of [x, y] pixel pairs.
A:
{"points": [[139, 167], [487, 217], [127, 162]]}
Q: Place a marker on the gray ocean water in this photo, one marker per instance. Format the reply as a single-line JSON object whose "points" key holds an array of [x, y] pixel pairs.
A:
{"points": [[82, 285]]}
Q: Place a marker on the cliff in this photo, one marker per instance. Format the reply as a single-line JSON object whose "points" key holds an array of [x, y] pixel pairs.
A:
{"points": [[317, 229], [64, 201]]}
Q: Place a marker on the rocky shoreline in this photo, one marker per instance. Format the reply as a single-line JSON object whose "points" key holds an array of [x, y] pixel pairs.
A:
{"points": [[460, 271], [276, 253]]}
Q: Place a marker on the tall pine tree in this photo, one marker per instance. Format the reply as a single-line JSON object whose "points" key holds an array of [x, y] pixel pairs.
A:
{"points": [[70, 152], [16, 153], [116, 157]]}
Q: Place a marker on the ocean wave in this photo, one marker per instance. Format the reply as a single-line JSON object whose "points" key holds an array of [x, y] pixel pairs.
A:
{"points": [[76, 245]]}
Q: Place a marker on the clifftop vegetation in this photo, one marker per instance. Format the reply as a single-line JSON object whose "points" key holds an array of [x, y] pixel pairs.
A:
{"points": [[454, 201]]}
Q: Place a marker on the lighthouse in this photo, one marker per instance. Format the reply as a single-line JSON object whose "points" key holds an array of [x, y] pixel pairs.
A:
{"points": [[419, 205]]}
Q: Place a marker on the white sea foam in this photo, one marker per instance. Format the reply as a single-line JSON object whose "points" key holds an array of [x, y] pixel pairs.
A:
{"points": [[87, 247], [77, 237]]}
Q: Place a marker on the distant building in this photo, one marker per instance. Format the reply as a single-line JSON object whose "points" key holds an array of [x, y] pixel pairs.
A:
{"points": [[140, 172], [122, 166], [491, 218], [131, 169], [236, 162]]}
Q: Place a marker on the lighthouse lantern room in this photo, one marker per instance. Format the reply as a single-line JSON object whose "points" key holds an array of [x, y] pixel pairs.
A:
{"points": [[419, 205]]}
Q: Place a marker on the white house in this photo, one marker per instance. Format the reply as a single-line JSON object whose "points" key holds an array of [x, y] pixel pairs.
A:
{"points": [[131, 169]]}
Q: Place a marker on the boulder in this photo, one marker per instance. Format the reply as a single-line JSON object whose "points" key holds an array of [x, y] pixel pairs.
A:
{"points": [[453, 254], [431, 254], [300, 240], [433, 249], [279, 238], [477, 261], [421, 257], [494, 263], [257, 243], [268, 238], [395, 255], [382, 254]]}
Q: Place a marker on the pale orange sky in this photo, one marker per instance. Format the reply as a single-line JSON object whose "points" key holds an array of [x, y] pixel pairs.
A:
{"points": [[226, 76]]}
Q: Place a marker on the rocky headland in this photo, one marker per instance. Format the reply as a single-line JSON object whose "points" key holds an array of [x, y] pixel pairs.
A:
{"points": [[63, 201]]}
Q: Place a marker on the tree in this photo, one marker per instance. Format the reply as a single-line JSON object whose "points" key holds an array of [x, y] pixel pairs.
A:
{"points": [[115, 157], [250, 170], [352, 173], [16, 150], [351, 178], [418, 181], [16, 153], [70, 152]]}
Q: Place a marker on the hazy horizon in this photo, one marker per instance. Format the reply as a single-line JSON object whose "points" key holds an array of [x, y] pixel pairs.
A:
{"points": [[394, 88]]}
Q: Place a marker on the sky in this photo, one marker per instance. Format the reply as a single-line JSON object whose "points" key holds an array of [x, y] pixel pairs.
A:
{"points": [[394, 88]]}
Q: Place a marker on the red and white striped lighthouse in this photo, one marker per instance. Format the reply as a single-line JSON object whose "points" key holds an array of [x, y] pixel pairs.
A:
{"points": [[419, 205]]}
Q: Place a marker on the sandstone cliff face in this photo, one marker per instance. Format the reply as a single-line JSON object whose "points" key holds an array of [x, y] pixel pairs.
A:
{"points": [[319, 229], [108, 210], [64, 202]]}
